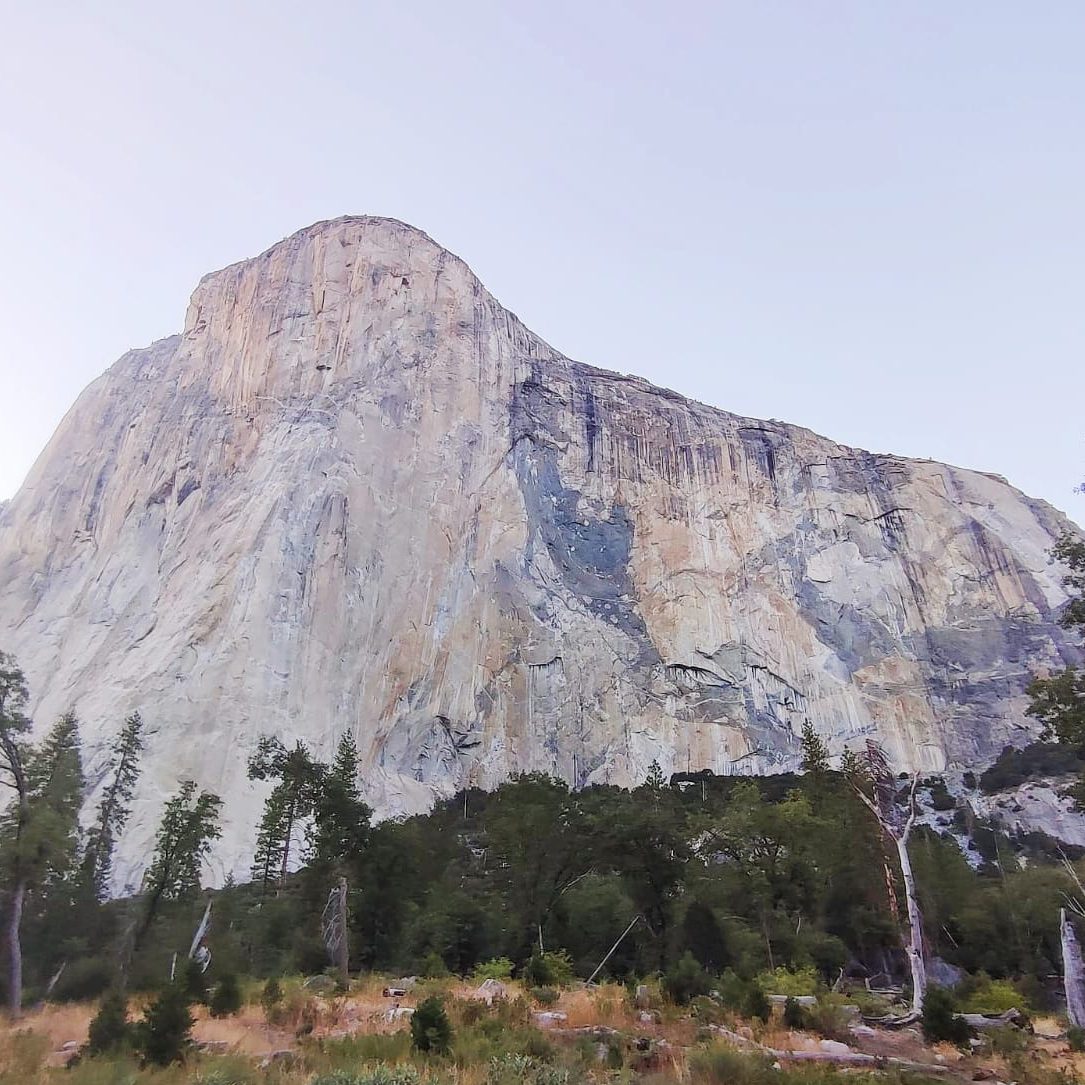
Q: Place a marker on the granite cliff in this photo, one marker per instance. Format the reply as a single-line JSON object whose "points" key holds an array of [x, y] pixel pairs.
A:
{"points": [[355, 492]]}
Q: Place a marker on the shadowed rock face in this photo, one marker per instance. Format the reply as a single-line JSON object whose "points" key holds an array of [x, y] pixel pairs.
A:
{"points": [[357, 493]]}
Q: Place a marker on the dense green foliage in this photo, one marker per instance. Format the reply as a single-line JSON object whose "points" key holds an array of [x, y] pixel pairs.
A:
{"points": [[226, 997], [165, 1033], [940, 1021], [1040, 759], [109, 1029], [1058, 700], [431, 1030]]}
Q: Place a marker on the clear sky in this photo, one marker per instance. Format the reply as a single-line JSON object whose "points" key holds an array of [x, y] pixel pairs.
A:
{"points": [[867, 218]]}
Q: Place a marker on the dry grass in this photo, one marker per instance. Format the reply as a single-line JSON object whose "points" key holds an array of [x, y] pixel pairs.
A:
{"points": [[323, 1029]]}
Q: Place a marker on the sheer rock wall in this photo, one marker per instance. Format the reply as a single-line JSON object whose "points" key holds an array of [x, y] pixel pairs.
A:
{"points": [[355, 492]]}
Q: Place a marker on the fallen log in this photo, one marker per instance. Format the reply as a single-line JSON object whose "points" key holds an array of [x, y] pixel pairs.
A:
{"points": [[836, 1058], [983, 1021]]}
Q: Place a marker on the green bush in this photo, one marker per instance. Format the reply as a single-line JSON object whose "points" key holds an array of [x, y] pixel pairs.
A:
{"points": [[194, 979], [725, 1066], [981, 994], [226, 997], [110, 1030], [686, 980], [828, 1020], [431, 1031], [548, 969], [545, 996], [433, 966], [271, 996], [756, 1003], [794, 1016], [786, 981], [377, 1075], [84, 979], [497, 968], [1075, 1037], [164, 1034], [940, 1022]]}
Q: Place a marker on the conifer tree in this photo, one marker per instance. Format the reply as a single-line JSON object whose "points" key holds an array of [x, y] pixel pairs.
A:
{"points": [[13, 756], [815, 757], [270, 839], [190, 822], [124, 770], [55, 771], [299, 784], [341, 817]]}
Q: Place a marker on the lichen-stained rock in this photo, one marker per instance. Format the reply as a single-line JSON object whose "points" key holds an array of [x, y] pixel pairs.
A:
{"points": [[357, 493]]}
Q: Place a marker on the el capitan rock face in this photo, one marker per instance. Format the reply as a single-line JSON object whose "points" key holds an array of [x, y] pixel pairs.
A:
{"points": [[355, 492]]}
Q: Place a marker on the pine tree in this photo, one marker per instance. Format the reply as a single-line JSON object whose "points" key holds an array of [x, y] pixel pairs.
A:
{"points": [[55, 771], [112, 814], [815, 757], [189, 824], [13, 756], [341, 818], [299, 785], [654, 779], [270, 841], [40, 830]]}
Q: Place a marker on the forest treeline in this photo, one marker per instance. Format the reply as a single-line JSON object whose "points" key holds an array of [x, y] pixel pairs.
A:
{"points": [[742, 874]]}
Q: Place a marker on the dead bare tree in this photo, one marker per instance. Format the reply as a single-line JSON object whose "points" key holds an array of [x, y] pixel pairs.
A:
{"points": [[1073, 970], [874, 783]]}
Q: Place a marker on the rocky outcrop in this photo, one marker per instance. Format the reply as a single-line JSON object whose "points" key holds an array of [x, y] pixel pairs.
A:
{"points": [[355, 492]]}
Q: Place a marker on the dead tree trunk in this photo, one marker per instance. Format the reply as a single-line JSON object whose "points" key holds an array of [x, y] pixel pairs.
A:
{"points": [[344, 945], [15, 950], [1073, 972], [888, 814], [916, 962]]}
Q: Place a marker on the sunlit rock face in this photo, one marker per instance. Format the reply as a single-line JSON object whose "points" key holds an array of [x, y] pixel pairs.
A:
{"points": [[357, 493]]}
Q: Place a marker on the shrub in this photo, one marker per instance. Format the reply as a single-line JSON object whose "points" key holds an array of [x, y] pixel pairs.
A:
{"points": [[786, 981], [756, 1003], [1075, 1037], [165, 1032], [1008, 1041], [433, 966], [377, 1075], [548, 969], [794, 1016], [226, 997], [110, 1030], [195, 981], [497, 968], [431, 1031], [732, 990], [270, 998], [981, 994], [828, 1020], [545, 996], [725, 1066], [83, 980], [686, 980], [940, 1021]]}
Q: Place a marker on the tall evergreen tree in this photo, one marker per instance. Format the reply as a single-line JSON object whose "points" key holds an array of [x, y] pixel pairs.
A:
{"points": [[189, 823], [298, 787], [270, 840], [341, 818], [13, 756], [55, 771], [124, 770]]}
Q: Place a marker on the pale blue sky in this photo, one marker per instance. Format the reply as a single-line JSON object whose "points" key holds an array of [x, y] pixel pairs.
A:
{"points": [[866, 218]]}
